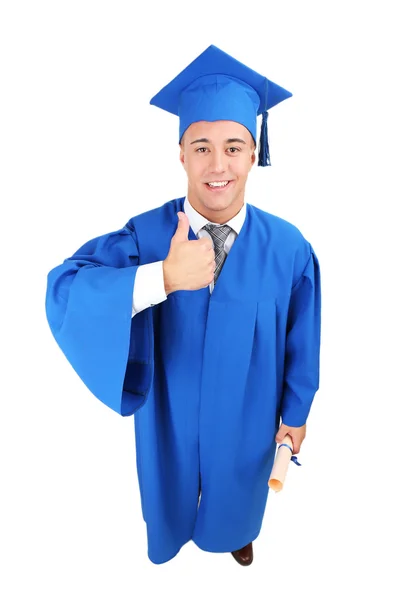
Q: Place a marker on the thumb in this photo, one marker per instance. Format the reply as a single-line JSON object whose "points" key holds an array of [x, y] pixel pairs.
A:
{"points": [[182, 231], [281, 433]]}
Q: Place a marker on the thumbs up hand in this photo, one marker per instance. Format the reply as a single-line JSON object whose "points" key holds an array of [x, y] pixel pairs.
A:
{"points": [[190, 264]]}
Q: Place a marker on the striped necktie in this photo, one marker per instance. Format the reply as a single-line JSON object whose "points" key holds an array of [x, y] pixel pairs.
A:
{"points": [[219, 235]]}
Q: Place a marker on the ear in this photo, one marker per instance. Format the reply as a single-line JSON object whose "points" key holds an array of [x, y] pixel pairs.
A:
{"points": [[182, 156], [253, 157]]}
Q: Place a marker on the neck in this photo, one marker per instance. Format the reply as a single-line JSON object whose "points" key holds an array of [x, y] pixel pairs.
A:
{"points": [[216, 215]]}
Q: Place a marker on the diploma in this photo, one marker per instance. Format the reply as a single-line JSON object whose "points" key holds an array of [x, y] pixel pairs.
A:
{"points": [[281, 463]]}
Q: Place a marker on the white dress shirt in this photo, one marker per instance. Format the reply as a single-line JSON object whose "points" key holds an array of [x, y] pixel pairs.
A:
{"points": [[149, 286]]}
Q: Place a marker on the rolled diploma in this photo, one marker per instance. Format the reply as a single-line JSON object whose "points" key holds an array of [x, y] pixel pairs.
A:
{"points": [[280, 466]]}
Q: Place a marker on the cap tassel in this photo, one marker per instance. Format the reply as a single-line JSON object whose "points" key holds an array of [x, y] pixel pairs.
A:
{"points": [[263, 153]]}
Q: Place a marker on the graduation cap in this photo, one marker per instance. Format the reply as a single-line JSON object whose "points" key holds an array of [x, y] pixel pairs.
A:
{"points": [[217, 87]]}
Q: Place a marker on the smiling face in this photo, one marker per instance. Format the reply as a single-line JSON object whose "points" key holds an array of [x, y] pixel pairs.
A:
{"points": [[220, 153]]}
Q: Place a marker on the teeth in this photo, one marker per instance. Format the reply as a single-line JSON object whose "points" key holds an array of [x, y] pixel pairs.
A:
{"points": [[218, 183]]}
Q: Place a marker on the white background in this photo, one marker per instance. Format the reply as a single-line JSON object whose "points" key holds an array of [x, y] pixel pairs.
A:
{"points": [[82, 151]]}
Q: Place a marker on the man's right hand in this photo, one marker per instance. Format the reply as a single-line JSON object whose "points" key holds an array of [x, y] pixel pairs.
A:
{"points": [[190, 264]]}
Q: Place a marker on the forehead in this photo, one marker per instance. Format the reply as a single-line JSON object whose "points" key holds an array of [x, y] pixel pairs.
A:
{"points": [[217, 131]]}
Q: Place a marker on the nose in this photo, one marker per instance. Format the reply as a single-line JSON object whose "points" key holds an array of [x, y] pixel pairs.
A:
{"points": [[218, 162]]}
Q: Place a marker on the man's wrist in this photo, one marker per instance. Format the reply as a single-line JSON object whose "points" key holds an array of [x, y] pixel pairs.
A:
{"points": [[167, 285]]}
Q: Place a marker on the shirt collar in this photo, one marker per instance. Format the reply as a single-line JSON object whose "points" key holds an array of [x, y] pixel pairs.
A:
{"points": [[197, 221]]}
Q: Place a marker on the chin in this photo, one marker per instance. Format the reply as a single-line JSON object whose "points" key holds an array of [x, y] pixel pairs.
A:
{"points": [[217, 204], [218, 199]]}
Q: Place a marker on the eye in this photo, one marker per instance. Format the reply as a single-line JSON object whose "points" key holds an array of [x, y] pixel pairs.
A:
{"points": [[200, 150], [235, 150]]}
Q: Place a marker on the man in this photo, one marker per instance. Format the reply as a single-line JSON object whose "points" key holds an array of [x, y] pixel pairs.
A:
{"points": [[222, 340]]}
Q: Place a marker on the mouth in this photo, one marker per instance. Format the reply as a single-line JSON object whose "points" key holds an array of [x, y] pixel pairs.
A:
{"points": [[218, 186]]}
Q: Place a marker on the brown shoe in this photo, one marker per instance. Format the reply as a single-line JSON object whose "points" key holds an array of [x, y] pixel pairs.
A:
{"points": [[244, 556]]}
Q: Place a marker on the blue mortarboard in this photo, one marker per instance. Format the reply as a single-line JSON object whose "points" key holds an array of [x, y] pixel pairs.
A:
{"points": [[216, 86]]}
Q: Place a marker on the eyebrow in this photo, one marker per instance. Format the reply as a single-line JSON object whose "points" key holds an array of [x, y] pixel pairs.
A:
{"points": [[228, 141]]}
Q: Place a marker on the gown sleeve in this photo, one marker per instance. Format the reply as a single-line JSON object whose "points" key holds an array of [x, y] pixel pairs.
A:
{"points": [[89, 311], [302, 345]]}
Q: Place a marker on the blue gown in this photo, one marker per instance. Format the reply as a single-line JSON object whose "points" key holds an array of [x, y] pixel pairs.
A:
{"points": [[207, 377]]}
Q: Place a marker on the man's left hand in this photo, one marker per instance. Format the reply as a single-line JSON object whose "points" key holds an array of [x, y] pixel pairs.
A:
{"points": [[296, 433]]}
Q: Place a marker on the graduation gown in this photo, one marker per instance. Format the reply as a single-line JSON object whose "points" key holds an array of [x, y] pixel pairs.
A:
{"points": [[207, 377]]}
